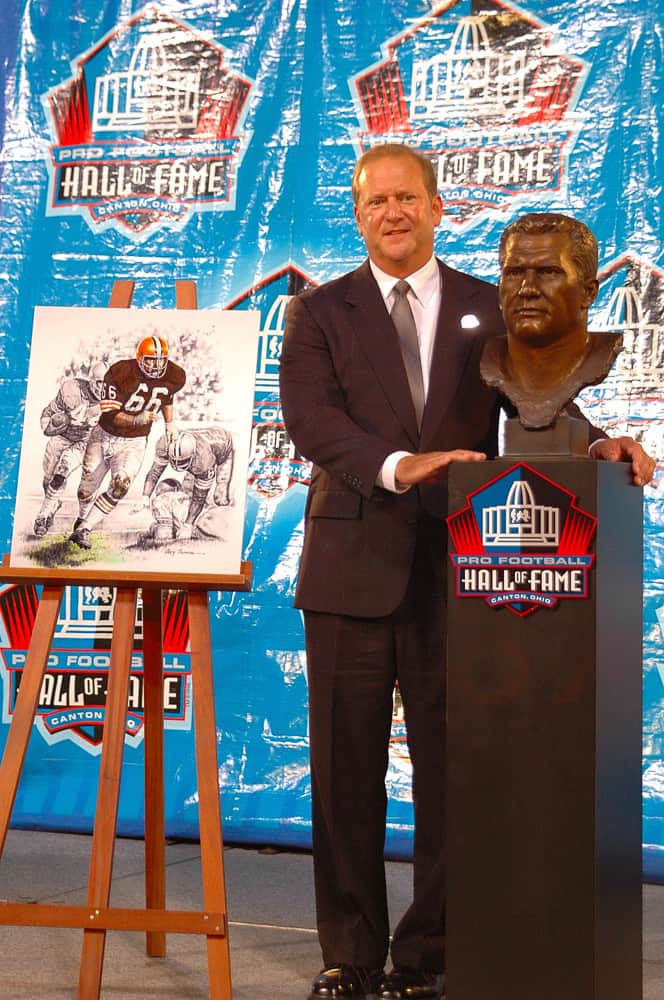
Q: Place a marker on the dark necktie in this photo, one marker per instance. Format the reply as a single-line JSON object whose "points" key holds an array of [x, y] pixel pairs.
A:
{"points": [[403, 319]]}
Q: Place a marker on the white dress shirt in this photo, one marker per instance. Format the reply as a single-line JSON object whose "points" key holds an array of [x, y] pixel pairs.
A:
{"points": [[424, 298]]}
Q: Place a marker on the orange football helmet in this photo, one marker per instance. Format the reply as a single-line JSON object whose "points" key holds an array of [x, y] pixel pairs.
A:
{"points": [[152, 356]]}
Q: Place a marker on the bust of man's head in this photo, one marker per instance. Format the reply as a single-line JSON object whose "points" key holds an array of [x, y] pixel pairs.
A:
{"points": [[548, 281]]}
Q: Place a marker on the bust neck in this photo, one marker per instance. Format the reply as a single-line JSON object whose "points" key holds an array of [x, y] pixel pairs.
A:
{"points": [[541, 367]]}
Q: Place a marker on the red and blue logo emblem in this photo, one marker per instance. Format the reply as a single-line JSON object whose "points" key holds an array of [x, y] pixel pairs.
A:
{"points": [[147, 130], [522, 542], [487, 92]]}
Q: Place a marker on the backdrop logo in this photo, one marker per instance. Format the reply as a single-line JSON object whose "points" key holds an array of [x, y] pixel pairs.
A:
{"points": [[275, 463], [482, 89], [72, 698], [629, 401], [147, 129], [522, 542]]}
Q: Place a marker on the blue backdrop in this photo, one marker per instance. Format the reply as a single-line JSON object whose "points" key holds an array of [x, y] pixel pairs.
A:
{"points": [[214, 141]]}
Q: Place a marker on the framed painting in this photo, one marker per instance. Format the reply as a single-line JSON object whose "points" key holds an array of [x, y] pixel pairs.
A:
{"points": [[136, 439]]}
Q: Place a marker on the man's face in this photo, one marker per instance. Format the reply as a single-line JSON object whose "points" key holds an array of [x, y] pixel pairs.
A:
{"points": [[396, 215], [543, 297]]}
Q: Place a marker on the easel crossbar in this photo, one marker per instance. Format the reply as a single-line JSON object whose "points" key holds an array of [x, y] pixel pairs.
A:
{"points": [[113, 918]]}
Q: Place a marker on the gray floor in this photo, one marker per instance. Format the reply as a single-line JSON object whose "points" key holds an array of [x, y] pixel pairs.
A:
{"points": [[274, 952]]}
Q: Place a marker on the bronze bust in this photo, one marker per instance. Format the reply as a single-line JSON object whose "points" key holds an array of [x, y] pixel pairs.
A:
{"points": [[548, 283]]}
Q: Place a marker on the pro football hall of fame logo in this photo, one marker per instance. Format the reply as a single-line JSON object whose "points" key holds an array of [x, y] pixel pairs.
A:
{"points": [[522, 542], [629, 400], [147, 129], [482, 88], [274, 464], [72, 698]]}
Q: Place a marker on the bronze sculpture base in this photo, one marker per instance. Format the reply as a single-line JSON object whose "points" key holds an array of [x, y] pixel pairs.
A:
{"points": [[567, 437]]}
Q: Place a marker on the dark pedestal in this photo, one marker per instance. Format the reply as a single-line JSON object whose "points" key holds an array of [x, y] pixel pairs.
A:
{"points": [[544, 776]]}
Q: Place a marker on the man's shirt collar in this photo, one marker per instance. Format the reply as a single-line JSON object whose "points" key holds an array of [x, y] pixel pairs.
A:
{"points": [[424, 282]]}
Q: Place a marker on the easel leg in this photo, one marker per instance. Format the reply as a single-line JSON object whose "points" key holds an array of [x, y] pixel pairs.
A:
{"points": [[212, 861], [26, 703], [153, 694], [103, 840]]}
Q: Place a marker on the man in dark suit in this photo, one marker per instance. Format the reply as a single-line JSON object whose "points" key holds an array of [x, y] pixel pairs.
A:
{"points": [[372, 574]]}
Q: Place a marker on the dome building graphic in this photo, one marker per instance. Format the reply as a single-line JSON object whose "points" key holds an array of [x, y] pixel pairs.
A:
{"points": [[156, 90], [641, 362], [520, 521], [470, 71]]}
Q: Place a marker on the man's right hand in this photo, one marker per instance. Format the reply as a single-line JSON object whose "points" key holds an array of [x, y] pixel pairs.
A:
{"points": [[431, 466]]}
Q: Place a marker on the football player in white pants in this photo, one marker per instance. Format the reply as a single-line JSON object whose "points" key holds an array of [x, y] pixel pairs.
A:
{"points": [[137, 392], [67, 422]]}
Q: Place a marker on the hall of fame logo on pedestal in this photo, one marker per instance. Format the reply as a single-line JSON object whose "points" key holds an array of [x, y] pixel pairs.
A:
{"points": [[147, 130], [484, 91], [522, 542]]}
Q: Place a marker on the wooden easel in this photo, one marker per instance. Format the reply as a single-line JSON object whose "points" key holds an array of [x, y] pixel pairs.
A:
{"points": [[97, 917]]}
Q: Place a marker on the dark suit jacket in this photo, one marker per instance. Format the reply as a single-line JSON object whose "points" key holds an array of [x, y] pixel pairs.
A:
{"points": [[347, 406]]}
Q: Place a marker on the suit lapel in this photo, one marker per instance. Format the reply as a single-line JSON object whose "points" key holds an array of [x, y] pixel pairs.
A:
{"points": [[380, 343], [455, 337], [452, 347]]}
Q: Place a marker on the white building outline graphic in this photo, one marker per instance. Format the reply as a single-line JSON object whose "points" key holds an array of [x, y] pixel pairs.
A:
{"points": [[520, 521], [470, 72], [155, 92], [269, 344], [641, 361], [87, 613]]}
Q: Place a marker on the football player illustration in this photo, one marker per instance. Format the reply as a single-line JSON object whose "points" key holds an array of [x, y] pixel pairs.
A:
{"points": [[169, 505], [67, 422], [206, 456], [137, 392]]}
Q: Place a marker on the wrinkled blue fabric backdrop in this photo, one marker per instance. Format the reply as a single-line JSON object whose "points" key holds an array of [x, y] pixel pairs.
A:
{"points": [[313, 82]]}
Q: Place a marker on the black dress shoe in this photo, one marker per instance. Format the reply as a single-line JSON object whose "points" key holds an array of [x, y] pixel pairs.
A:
{"points": [[346, 981], [409, 984]]}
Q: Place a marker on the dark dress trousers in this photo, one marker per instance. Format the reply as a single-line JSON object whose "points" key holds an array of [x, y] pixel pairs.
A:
{"points": [[371, 584]]}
